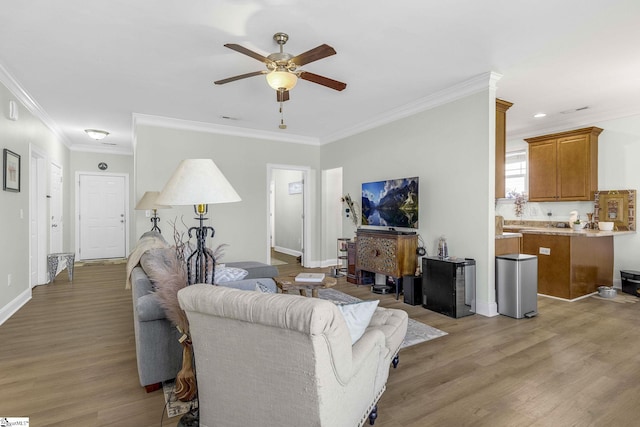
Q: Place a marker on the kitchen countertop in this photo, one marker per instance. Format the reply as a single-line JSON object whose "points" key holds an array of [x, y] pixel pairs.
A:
{"points": [[508, 235], [523, 229]]}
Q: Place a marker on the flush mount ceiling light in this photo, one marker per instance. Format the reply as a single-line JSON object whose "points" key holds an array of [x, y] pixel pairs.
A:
{"points": [[539, 115], [97, 134]]}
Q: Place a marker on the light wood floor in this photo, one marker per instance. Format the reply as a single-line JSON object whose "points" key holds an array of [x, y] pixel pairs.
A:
{"points": [[68, 359]]}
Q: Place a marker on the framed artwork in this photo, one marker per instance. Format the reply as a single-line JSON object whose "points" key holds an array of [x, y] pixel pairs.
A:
{"points": [[10, 171], [617, 206]]}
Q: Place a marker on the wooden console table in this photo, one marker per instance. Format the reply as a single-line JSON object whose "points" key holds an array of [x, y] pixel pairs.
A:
{"points": [[389, 253]]}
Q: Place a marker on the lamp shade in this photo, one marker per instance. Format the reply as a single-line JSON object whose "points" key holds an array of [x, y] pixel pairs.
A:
{"points": [[282, 80], [148, 202], [195, 182]]}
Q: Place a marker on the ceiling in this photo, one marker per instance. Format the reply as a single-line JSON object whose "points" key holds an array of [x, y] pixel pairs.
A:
{"points": [[99, 64]]}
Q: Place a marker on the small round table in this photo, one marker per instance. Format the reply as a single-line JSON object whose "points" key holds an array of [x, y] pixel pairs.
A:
{"points": [[288, 283]]}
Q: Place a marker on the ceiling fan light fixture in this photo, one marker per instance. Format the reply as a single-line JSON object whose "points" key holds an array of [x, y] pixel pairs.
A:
{"points": [[97, 134], [279, 79]]}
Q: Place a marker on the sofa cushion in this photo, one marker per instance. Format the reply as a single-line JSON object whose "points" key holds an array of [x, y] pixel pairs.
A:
{"points": [[256, 269], [229, 274], [148, 308], [357, 317]]}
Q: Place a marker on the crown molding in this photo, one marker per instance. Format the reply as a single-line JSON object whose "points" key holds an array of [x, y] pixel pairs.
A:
{"points": [[168, 122], [31, 104], [460, 90], [581, 120], [101, 149]]}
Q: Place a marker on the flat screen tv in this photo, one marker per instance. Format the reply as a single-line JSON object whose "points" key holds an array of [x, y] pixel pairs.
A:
{"points": [[392, 203]]}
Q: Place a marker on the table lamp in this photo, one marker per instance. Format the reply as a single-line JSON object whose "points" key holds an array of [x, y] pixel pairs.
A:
{"points": [[198, 182], [148, 202]]}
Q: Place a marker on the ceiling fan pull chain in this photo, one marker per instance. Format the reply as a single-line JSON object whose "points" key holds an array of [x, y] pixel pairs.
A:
{"points": [[282, 125]]}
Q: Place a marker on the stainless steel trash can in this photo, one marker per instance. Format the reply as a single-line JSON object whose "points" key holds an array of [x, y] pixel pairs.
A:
{"points": [[517, 285]]}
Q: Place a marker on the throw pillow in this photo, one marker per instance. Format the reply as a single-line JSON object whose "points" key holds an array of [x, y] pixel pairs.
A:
{"points": [[357, 316], [229, 274], [261, 287]]}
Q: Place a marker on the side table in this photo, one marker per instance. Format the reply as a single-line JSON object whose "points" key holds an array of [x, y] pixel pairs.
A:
{"points": [[52, 264]]}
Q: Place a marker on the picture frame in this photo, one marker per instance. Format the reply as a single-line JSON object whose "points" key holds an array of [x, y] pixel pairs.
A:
{"points": [[617, 206], [10, 171]]}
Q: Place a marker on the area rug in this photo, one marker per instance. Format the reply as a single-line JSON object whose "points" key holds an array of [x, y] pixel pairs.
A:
{"points": [[417, 332], [174, 406], [275, 261]]}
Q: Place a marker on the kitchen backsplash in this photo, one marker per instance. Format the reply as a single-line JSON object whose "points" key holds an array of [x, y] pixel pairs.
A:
{"points": [[537, 211]]}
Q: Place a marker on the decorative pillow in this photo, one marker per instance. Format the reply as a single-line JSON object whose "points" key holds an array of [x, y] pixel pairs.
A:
{"points": [[229, 274], [261, 287], [357, 316]]}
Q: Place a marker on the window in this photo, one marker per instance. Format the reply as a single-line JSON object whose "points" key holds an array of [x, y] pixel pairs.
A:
{"points": [[515, 173]]}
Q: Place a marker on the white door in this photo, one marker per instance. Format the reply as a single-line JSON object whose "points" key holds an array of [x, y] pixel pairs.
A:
{"points": [[102, 216], [55, 209], [37, 219]]}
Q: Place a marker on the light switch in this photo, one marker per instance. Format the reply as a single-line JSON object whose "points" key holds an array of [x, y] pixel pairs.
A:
{"points": [[545, 251]]}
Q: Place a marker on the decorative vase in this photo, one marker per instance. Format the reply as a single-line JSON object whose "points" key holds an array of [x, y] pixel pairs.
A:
{"points": [[186, 386]]}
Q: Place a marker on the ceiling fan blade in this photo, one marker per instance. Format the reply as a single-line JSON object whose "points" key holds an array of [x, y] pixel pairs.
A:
{"points": [[243, 50], [321, 80], [239, 77], [282, 96], [314, 54]]}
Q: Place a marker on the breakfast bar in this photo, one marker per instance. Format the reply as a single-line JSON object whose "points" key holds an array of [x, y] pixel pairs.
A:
{"points": [[571, 264]]}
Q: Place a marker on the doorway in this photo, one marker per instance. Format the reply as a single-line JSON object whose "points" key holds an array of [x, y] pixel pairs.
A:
{"points": [[55, 209], [102, 215], [37, 218], [288, 201]]}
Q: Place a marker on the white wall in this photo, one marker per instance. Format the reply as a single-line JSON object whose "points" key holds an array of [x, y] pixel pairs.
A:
{"points": [[451, 148], [243, 160], [18, 136]]}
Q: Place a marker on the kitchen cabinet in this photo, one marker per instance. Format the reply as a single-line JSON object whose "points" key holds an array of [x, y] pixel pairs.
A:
{"points": [[508, 243], [564, 166], [571, 266], [501, 144]]}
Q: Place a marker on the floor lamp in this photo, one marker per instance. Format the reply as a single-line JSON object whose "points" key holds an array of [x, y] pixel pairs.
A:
{"points": [[198, 182], [148, 203]]}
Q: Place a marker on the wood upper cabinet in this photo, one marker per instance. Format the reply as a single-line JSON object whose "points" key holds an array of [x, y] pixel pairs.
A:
{"points": [[564, 166], [501, 145]]}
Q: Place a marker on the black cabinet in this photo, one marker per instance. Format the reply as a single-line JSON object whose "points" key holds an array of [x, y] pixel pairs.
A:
{"points": [[448, 285]]}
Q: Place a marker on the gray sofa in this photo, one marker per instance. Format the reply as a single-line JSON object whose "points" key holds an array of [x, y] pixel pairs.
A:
{"points": [[158, 352]]}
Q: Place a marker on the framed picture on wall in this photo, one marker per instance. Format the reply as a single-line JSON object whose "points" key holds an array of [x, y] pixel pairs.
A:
{"points": [[10, 171]]}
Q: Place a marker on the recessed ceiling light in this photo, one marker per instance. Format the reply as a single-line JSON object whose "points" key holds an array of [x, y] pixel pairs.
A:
{"points": [[537, 116]]}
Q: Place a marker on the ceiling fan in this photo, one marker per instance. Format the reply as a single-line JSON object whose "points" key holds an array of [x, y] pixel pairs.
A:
{"points": [[282, 71]]}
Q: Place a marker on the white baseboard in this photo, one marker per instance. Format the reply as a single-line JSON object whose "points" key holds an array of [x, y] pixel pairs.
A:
{"points": [[287, 251], [10, 309], [487, 309]]}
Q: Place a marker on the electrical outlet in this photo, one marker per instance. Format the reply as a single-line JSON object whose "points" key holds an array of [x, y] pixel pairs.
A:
{"points": [[147, 213], [545, 251], [9, 279]]}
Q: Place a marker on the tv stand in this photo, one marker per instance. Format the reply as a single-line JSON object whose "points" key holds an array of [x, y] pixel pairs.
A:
{"points": [[388, 253]]}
